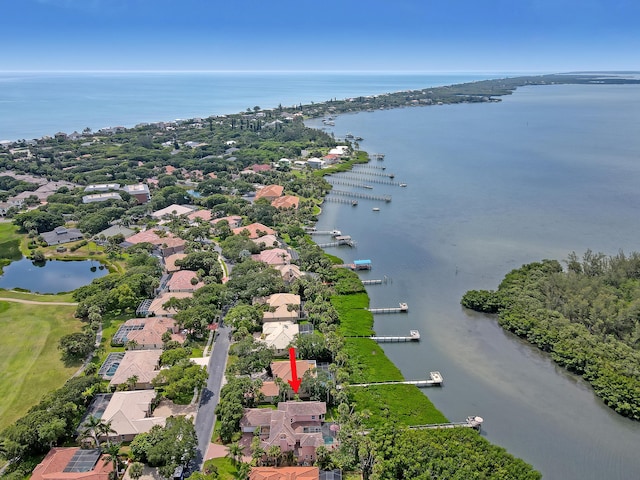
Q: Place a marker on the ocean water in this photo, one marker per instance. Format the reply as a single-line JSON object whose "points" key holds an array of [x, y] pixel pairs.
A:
{"points": [[547, 171], [37, 104]]}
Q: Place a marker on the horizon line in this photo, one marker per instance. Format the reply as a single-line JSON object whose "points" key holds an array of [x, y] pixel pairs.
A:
{"points": [[346, 72]]}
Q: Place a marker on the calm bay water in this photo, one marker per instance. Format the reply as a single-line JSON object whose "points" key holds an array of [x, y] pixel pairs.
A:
{"points": [[547, 171], [37, 104], [491, 186]]}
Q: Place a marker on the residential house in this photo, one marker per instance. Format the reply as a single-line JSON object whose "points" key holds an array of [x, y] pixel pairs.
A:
{"points": [[62, 235], [183, 281], [255, 230], [286, 202], [157, 308], [316, 163], [174, 209], [170, 262], [139, 191], [142, 364], [234, 221], [270, 192], [130, 413], [279, 336], [289, 272], [284, 473], [73, 463], [282, 370], [273, 256], [146, 333], [101, 197], [294, 427], [283, 306], [166, 243], [114, 230], [201, 214], [266, 241], [102, 187]]}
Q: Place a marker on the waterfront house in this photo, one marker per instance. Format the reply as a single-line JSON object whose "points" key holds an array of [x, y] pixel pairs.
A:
{"points": [[294, 427], [279, 336], [62, 235], [282, 306]]}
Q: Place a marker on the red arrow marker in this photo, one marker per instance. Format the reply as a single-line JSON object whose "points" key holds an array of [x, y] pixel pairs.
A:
{"points": [[295, 381]]}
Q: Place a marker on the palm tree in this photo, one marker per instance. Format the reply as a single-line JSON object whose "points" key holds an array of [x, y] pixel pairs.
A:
{"points": [[235, 452], [242, 471], [135, 470], [274, 453], [91, 429], [112, 452], [132, 381], [104, 429]]}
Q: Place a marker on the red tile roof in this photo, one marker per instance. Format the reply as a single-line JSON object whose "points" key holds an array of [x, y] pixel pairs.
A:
{"points": [[53, 465], [288, 201], [255, 230], [284, 473], [270, 192]]}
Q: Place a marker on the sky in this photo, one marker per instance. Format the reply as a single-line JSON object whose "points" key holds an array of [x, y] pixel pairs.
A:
{"points": [[320, 35]]}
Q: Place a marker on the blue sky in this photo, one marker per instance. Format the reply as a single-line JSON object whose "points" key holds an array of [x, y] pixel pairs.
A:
{"points": [[302, 35]]}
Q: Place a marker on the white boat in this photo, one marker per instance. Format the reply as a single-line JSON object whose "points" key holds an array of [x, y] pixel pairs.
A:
{"points": [[375, 209], [403, 184]]}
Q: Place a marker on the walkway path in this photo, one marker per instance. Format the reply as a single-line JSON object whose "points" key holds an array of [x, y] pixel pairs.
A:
{"points": [[35, 302]]}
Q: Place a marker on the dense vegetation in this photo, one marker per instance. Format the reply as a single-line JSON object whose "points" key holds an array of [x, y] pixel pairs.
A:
{"points": [[587, 317]]}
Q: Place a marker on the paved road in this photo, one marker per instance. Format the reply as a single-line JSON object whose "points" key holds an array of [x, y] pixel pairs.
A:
{"points": [[205, 420]]}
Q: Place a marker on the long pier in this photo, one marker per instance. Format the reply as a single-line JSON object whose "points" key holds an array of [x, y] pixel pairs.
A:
{"points": [[473, 421], [377, 281], [353, 203], [414, 336], [435, 380], [333, 233], [385, 198], [371, 180], [375, 174], [351, 184], [402, 308], [368, 166], [340, 240]]}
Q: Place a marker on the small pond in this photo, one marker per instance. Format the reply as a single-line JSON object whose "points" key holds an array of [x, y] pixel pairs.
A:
{"points": [[52, 276]]}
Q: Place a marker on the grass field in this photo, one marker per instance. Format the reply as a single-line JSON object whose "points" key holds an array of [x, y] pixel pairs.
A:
{"points": [[37, 297], [30, 364], [9, 244]]}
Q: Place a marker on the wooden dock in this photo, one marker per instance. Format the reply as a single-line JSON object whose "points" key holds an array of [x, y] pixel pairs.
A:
{"points": [[435, 380], [375, 174], [368, 166], [370, 180], [353, 203], [333, 233], [402, 308], [384, 198], [414, 336], [377, 281], [472, 421], [339, 241]]}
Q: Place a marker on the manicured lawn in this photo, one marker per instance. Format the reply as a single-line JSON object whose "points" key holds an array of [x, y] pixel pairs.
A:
{"points": [[62, 297], [9, 244], [226, 469], [390, 404], [30, 363]]}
